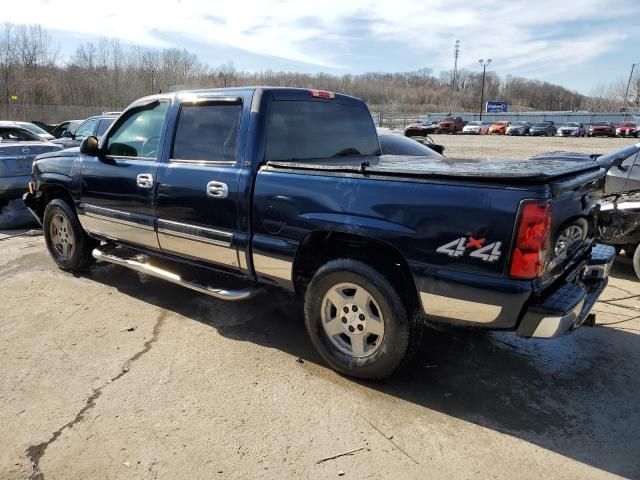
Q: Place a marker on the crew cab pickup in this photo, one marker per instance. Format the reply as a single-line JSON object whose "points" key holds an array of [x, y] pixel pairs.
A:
{"points": [[287, 187]]}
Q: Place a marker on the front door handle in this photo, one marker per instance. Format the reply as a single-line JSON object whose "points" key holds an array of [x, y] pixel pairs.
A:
{"points": [[217, 189], [144, 180]]}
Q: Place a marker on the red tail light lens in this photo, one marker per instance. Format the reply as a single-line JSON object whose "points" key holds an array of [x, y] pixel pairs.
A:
{"points": [[532, 240]]}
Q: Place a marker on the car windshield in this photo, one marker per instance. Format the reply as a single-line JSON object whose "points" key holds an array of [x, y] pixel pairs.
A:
{"points": [[15, 134], [601, 124], [519, 124], [475, 124], [627, 124], [571, 124], [541, 125], [396, 144], [503, 122], [33, 128]]}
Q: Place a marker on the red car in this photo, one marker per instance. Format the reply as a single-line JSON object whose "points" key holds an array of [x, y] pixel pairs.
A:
{"points": [[450, 125], [602, 129], [627, 129]]}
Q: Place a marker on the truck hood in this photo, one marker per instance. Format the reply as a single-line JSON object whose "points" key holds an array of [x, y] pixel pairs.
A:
{"points": [[67, 152]]}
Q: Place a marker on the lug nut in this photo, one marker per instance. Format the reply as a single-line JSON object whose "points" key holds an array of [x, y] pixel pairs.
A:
{"points": [[361, 317], [360, 327], [344, 319], [354, 308], [351, 329], [346, 309]]}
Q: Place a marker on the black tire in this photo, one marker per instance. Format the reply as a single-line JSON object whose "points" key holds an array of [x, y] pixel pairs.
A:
{"points": [[78, 255], [402, 328], [636, 262]]}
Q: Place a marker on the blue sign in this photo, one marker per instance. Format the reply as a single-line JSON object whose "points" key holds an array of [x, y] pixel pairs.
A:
{"points": [[496, 107]]}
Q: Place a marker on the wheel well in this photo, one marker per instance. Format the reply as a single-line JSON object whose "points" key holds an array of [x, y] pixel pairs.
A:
{"points": [[50, 192], [318, 248]]}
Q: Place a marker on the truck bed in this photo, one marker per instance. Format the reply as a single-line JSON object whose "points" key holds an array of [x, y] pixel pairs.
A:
{"points": [[527, 171]]}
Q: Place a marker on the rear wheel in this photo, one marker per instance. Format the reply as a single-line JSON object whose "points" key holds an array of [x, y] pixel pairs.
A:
{"points": [[636, 262], [69, 245], [358, 322]]}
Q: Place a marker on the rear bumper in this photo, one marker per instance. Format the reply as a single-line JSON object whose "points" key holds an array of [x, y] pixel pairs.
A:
{"points": [[13, 187], [567, 307]]}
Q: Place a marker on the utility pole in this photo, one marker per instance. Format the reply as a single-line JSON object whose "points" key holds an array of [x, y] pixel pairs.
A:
{"points": [[456, 54], [629, 82], [484, 66]]}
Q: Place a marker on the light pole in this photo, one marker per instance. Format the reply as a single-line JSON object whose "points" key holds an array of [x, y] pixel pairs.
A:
{"points": [[484, 66], [629, 82]]}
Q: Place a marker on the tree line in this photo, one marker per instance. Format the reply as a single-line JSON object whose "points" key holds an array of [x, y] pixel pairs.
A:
{"points": [[109, 74]]}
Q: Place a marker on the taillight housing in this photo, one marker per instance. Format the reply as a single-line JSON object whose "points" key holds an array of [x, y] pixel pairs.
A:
{"points": [[321, 93], [529, 254]]}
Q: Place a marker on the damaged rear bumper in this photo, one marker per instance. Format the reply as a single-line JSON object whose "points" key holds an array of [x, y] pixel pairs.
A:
{"points": [[567, 307]]}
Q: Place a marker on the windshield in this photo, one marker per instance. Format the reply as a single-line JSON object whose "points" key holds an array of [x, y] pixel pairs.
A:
{"points": [[601, 124], [572, 125], [475, 124], [33, 128], [519, 124], [395, 144], [15, 134], [541, 125]]}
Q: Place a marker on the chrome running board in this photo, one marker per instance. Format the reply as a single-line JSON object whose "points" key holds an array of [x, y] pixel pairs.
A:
{"points": [[228, 295]]}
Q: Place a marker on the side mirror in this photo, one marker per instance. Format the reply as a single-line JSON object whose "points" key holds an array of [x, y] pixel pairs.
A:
{"points": [[67, 134], [617, 162], [89, 146]]}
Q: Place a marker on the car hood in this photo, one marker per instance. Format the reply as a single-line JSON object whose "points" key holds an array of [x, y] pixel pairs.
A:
{"points": [[67, 152]]}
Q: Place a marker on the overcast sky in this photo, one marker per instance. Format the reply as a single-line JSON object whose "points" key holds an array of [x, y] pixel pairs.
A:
{"points": [[577, 43]]}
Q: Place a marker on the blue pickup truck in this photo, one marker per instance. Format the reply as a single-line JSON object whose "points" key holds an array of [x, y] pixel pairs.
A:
{"points": [[288, 187]]}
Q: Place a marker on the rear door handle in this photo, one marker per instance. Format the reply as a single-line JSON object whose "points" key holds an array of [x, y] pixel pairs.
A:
{"points": [[144, 180], [217, 189]]}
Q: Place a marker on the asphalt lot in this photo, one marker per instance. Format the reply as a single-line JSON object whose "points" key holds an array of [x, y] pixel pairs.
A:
{"points": [[112, 374]]}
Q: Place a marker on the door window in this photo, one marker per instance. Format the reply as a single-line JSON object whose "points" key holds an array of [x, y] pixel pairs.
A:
{"points": [[207, 133], [138, 133], [86, 129]]}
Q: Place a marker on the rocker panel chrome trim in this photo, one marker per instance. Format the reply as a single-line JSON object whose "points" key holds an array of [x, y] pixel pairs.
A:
{"points": [[455, 308], [273, 267]]}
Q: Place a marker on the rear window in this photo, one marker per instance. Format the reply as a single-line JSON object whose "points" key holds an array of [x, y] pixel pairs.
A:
{"points": [[305, 130]]}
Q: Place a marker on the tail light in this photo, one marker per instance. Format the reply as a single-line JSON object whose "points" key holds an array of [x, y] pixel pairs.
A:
{"points": [[321, 94], [532, 241]]}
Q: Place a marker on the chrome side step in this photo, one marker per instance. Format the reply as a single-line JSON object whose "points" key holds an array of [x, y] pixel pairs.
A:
{"points": [[228, 295]]}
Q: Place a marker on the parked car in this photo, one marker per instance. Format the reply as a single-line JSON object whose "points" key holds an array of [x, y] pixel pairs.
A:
{"points": [[499, 128], [71, 125], [392, 143], [602, 129], [476, 127], [451, 125], [518, 128], [18, 148], [95, 126], [45, 126], [627, 129], [421, 129], [546, 129], [375, 245], [30, 127], [572, 129]]}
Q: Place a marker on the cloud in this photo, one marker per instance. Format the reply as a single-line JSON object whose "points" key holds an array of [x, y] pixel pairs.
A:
{"points": [[533, 36]]}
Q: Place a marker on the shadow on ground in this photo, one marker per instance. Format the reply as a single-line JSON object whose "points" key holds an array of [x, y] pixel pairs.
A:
{"points": [[576, 396]]}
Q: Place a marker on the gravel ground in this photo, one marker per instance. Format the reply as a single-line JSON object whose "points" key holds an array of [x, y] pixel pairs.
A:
{"points": [[500, 146]]}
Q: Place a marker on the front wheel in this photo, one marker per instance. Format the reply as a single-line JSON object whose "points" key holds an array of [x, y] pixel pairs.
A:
{"points": [[69, 245], [358, 322]]}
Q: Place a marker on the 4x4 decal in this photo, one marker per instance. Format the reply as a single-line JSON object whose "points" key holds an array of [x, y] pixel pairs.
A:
{"points": [[459, 246]]}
